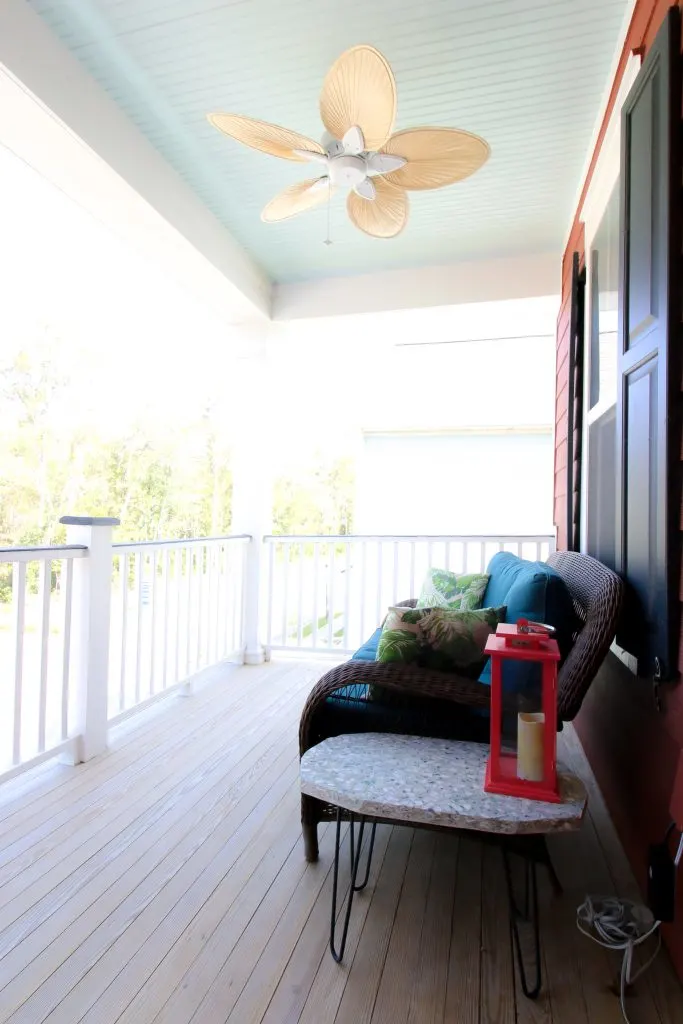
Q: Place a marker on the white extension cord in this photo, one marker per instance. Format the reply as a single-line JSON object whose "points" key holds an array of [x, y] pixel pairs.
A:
{"points": [[619, 925]]}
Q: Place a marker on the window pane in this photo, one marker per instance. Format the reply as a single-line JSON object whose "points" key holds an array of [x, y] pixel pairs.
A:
{"points": [[604, 272]]}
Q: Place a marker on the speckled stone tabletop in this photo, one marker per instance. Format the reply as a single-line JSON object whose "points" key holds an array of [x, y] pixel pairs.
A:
{"points": [[429, 781]]}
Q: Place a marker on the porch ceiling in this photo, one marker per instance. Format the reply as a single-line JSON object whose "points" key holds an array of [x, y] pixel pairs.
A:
{"points": [[528, 75]]}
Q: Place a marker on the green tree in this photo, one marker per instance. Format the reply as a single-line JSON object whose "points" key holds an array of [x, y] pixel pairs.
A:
{"points": [[162, 475], [317, 502]]}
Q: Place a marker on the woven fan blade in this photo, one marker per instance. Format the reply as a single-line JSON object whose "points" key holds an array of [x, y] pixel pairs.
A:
{"points": [[296, 199], [359, 90], [269, 138], [436, 156], [384, 216]]}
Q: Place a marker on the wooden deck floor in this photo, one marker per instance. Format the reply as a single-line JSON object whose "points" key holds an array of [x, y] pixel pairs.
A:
{"points": [[165, 881]]}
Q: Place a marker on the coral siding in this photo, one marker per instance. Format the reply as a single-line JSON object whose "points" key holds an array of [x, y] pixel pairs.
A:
{"points": [[633, 750]]}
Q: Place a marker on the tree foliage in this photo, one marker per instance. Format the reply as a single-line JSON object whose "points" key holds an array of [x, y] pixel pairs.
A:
{"points": [[320, 501], [161, 475]]}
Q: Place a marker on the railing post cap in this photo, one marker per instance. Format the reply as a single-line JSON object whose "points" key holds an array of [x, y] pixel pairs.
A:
{"points": [[90, 521]]}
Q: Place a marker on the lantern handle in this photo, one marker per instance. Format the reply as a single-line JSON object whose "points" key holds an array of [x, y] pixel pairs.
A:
{"points": [[527, 626]]}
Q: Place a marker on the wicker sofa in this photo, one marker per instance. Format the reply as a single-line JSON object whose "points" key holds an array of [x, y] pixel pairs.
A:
{"points": [[444, 704]]}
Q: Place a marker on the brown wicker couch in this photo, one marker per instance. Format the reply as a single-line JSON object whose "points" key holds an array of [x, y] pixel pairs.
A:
{"points": [[597, 593]]}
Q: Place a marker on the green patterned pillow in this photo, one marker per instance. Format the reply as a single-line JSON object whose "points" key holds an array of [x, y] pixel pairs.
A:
{"points": [[445, 589], [439, 638], [400, 638]]}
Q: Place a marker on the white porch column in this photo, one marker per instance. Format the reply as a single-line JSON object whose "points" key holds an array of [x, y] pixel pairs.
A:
{"points": [[252, 493], [91, 626]]}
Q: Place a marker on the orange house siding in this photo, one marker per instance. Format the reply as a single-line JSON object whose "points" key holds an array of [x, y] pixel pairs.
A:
{"points": [[633, 749]]}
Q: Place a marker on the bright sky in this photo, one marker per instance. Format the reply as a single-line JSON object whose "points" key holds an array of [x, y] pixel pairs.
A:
{"points": [[141, 342], [65, 275]]}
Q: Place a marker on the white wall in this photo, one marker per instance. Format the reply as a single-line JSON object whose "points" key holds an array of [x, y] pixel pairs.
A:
{"points": [[459, 483]]}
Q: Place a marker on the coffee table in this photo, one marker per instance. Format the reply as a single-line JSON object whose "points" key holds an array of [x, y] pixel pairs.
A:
{"points": [[421, 781]]}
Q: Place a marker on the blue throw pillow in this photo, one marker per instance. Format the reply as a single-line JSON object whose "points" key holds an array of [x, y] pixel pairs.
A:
{"points": [[368, 651], [529, 590]]}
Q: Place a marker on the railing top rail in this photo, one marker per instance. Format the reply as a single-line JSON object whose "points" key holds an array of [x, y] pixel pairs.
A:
{"points": [[43, 554], [185, 542], [491, 538]]}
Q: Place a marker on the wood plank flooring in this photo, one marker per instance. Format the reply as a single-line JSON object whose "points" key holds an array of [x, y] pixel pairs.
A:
{"points": [[165, 882]]}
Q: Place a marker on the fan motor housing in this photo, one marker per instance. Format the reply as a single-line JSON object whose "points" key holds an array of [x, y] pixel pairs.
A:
{"points": [[347, 171]]}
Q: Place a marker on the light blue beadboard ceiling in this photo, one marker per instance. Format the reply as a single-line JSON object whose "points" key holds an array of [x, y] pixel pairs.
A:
{"points": [[527, 75]]}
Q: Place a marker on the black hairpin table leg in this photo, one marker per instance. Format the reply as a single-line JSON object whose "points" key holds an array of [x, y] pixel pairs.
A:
{"points": [[354, 887], [530, 912], [547, 860]]}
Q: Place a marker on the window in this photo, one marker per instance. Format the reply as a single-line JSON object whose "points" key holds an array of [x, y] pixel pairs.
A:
{"points": [[600, 214], [604, 278], [602, 313]]}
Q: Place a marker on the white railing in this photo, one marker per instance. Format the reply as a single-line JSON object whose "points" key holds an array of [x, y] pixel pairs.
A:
{"points": [[36, 629], [91, 632], [177, 607], [328, 594]]}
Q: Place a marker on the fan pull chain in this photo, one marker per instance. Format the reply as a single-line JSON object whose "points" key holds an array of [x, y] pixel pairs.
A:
{"points": [[328, 240]]}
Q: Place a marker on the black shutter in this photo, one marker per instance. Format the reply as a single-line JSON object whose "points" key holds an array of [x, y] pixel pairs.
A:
{"points": [[575, 406], [648, 381]]}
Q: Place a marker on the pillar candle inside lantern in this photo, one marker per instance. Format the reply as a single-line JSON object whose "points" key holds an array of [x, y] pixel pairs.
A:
{"points": [[530, 732]]}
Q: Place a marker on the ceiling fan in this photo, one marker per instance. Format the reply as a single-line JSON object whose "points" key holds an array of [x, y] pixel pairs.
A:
{"points": [[358, 151]]}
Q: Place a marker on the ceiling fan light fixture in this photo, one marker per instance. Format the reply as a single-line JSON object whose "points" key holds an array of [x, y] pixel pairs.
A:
{"points": [[347, 171]]}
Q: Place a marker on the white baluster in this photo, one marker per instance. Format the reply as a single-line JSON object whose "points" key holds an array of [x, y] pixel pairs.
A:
{"points": [[178, 577], [347, 595], [167, 592], [154, 592], [378, 617], [300, 596], [285, 591], [45, 585], [271, 591], [394, 584], [330, 596], [216, 652], [189, 572], [19, 620], [316, 577], [363, 587], [66, 586], [201, 550], [123, 573], [139, 579], [236, 579]]}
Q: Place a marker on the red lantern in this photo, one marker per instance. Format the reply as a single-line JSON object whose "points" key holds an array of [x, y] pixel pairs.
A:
{"points": [[530, 770]]}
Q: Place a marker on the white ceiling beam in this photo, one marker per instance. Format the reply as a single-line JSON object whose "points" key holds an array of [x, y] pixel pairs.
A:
{"points": [[50, 107], [514, 277]]}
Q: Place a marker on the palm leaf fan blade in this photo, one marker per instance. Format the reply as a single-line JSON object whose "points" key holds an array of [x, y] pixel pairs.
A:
{"points": [[435, 157], [359, 91], [384, 216], [304, 195], [268, 138]]}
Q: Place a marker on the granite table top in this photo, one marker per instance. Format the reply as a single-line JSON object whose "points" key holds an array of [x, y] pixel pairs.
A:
{"points": [[429, 781]]}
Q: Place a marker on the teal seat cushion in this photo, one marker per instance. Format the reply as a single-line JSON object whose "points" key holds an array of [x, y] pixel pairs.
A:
{"points": [[529, 590]]}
